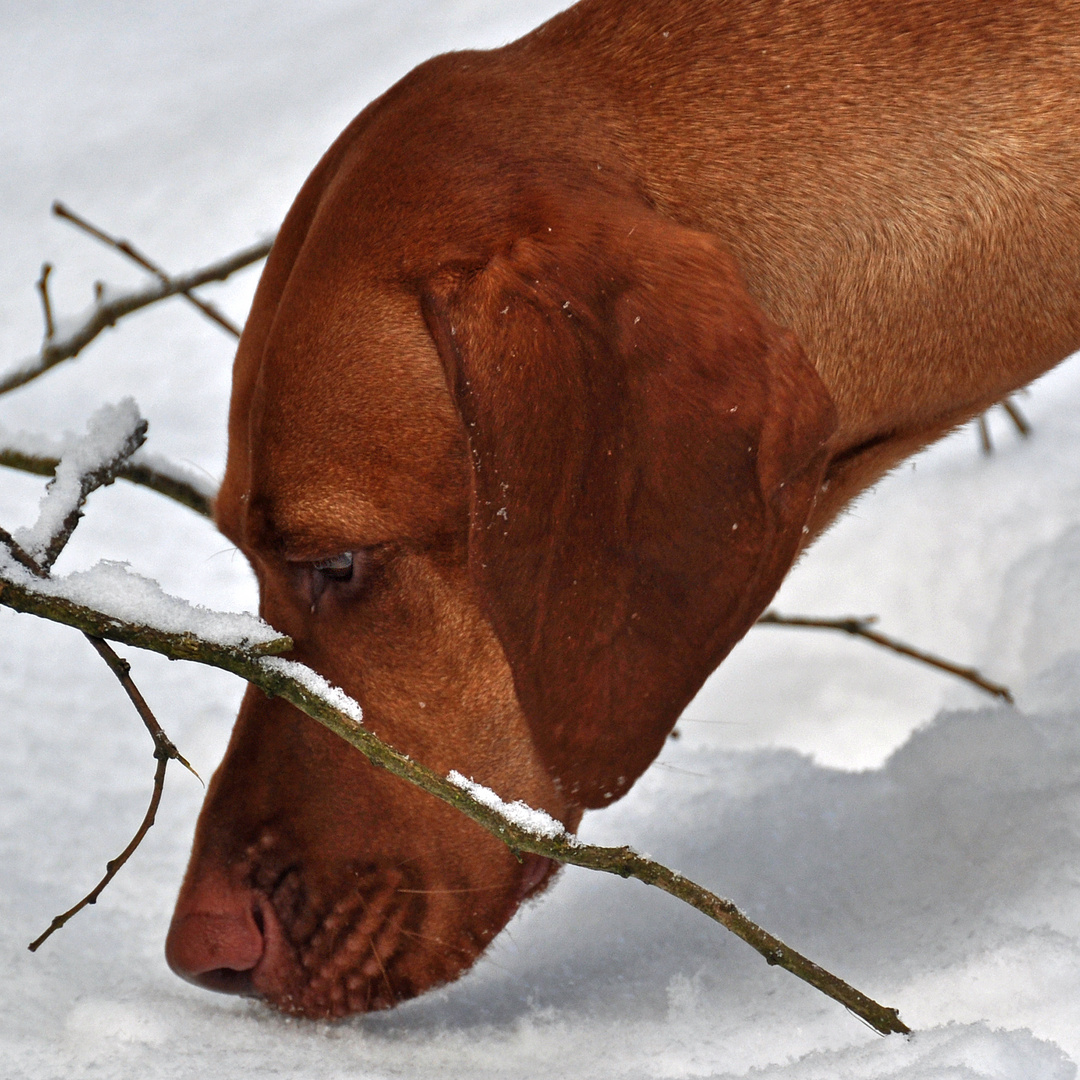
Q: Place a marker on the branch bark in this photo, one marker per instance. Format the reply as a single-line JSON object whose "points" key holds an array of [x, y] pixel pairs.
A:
{"points": [[860, 627], [162, 476], [164, 752], [125, 247], [329, 706], [107, 312]]}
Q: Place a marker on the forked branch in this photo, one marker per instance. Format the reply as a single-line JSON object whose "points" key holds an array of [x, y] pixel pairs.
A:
{"points": [[125, 247], [167, 478], [114, 435], [164, 752], [107, 310]]}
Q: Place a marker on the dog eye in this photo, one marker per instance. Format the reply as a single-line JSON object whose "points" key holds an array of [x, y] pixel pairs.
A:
{"points": [[338, 568]]}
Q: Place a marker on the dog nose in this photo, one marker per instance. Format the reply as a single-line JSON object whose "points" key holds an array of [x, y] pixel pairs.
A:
{"points": [[216, 939]]}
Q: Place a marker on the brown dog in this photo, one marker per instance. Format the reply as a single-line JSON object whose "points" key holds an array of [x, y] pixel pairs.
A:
{"points": [[564, 353]]}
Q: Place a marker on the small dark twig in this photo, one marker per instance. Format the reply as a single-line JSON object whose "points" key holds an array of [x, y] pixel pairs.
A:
{"points": [[106, 313], [1017, 417], [46, 305], [90, 482], [164, 749], [1012, 410], [860, 627], [125, 247], [163, 482], [20, 556], [164, 752]]}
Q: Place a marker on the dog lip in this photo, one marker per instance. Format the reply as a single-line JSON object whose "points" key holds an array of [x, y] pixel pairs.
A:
{"points": [[535, 874], [276, 965]]}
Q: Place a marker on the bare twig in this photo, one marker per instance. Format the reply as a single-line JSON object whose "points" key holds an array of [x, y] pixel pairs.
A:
{"points": [[164, 480], [1012, 410], [1017, 417], [860, 627], [90, 481], [125, 247], [106, 313], [96, 474], [308, 692], [46, 305], [164, 752]]}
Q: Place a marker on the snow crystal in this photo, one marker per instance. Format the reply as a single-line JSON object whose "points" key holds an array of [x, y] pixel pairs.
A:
{"points": [[517, 813]]}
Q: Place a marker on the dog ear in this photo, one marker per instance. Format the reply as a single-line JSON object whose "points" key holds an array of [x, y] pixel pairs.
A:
{"points": [[646, 449]]}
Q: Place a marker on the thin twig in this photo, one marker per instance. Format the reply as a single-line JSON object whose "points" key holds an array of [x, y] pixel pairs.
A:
{"points": [[164, 481], [90, 481], [46, 305], [122, 670], [20, 556], [164, 752], [1012, 410], [1017, 417], [164, 749], [114, 865], [125, 247], [304, 689], [860, 627], [106, 313]]}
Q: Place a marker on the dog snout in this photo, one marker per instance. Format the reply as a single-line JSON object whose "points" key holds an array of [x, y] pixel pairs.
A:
{"points": [[217, 938]]}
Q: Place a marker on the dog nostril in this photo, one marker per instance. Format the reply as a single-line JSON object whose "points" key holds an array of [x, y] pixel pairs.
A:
{"points": [[227, 981], [216, 950]]}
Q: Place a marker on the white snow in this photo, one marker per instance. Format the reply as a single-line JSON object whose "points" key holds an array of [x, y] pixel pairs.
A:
{"points": [[315, 683], [46, 445], [108, 432], [517, 812], [114, 589], [915, 837]]}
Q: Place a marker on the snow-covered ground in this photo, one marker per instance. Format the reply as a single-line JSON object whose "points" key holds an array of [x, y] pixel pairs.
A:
{"points": [[915, 837]]}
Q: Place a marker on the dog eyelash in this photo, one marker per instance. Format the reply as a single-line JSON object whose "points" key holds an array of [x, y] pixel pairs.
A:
{"points": [[337, 568]]}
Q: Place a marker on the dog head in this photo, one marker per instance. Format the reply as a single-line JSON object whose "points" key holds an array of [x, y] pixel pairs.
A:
{"points": [[516, 463]]}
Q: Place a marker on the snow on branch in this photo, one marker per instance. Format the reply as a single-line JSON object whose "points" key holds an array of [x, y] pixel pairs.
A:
{"points": [[40, 454], [114, 433], [67, 338], [521, 828]]}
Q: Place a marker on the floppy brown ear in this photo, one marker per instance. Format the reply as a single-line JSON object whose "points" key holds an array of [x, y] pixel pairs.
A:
{"points": [[646, 450]]}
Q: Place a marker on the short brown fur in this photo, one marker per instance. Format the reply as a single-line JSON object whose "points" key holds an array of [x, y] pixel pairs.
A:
{"points": [[577, 344]]}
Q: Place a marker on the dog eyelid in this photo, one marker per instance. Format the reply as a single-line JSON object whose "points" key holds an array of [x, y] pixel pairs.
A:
{"points": [[336, 562], [337, 567]]}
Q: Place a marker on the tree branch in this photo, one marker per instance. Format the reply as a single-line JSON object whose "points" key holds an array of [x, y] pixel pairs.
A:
{"points": [[114, 434], [125, 247], [332, 708], [162, 476], [107, 312], [860, 627], [164, 752]]}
